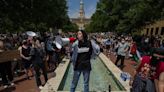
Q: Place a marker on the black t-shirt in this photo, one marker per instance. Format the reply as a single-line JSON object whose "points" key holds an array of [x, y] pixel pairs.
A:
{"points": [[26, 52], [83, 59]]}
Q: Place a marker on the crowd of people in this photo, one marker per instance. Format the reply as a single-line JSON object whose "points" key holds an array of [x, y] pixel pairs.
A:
{"points": [[146, 52], [44, 53], [36, 54]]}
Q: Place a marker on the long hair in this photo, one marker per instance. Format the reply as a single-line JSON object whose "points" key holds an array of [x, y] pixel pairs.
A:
{"points": [[85, 36], [85, 39]]}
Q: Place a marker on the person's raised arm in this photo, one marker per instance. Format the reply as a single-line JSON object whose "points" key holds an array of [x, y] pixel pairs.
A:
{"points": [[158, 55]]}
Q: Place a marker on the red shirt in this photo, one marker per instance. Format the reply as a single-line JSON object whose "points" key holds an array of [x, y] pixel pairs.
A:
{"points": [[133, 48], [145, 60]]}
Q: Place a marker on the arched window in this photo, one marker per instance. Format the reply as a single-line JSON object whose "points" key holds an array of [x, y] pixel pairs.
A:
{"points": [[156, 31]]}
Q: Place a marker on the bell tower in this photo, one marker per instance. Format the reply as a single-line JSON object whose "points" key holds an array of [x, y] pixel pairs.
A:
{"points": [[81, 20], [81, 14]]}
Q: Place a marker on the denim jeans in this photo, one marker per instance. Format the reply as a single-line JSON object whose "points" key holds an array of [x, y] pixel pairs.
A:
{"points": [[76, 76]]}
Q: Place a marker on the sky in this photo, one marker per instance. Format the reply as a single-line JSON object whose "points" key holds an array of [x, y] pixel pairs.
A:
{"points": [[74, 5]]}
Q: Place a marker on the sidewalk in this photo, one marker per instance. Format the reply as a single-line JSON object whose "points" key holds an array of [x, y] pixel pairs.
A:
{"points": [[128, 64], [24, 85]]}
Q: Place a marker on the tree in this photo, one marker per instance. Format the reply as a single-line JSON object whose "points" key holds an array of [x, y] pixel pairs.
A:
{"points": [[35, 15], [125, 16], [70, 27]]}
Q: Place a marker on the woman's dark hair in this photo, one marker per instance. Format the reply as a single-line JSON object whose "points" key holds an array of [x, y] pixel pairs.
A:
{"points": [[24, 42], [122, 38], [36, 38], [85, 36], [85, 39]]}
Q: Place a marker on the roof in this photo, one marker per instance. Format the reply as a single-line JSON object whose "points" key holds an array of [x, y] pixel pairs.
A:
{"points": [[78, 20]]}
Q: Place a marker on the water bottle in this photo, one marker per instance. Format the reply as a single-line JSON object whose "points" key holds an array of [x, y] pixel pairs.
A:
{"points": [[124, 76]]}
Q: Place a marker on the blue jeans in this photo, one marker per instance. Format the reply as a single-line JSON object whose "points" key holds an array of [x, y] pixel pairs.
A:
{"points": [[75, 80]]}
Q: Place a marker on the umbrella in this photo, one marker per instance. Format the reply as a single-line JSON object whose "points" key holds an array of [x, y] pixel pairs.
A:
{"points": [[31, 33]]}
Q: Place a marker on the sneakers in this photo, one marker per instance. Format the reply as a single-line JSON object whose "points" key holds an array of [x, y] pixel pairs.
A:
{"points": [[12, 84], [8, 85]]}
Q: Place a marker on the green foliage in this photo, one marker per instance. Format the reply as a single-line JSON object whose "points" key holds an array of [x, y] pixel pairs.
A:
{"points": [[35, 15], [71, 27], [125, 16]]}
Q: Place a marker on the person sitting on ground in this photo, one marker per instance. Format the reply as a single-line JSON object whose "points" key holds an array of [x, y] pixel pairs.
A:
{"points": [[142, 81], [156, 67]]}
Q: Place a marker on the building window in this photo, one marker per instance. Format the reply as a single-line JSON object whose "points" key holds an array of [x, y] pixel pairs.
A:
{"points": [[156, 31], [162, 31], [152, 31], [147, 31]]}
